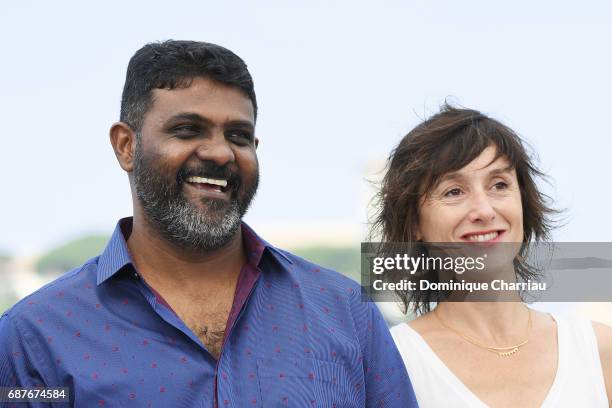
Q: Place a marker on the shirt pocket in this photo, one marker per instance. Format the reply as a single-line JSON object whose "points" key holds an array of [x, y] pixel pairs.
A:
{"points": [[308, 383]]}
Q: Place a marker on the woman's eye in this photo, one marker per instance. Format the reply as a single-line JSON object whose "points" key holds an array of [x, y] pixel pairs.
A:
{"points": [[453, 192], [501, 185]]}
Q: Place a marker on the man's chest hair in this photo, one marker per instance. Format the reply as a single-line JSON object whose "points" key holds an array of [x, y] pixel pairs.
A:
{"points": [[209, 327], [206, 316]]}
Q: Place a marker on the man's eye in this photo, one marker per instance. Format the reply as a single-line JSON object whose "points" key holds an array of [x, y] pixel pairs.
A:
{"points": [[185, 131], [453, 192], [240, 137]]}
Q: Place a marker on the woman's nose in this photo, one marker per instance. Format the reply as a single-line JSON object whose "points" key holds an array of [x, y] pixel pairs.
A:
{"points": [[481, 209]]}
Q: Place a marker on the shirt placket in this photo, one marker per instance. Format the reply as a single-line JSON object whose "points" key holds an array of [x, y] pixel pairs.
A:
{"points": [[234, 323]]}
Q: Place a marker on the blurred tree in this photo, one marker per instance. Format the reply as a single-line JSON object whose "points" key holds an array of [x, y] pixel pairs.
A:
{"points": [[7, 296], [71, 254], [346, 260], [4, 257]]}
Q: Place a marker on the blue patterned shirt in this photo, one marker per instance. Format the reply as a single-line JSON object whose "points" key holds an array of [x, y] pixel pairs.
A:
{"points": [[298, 335]]}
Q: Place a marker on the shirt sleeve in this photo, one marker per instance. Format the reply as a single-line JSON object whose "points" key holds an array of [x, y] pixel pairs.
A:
{"points": [[17, 367], [386, 380]]}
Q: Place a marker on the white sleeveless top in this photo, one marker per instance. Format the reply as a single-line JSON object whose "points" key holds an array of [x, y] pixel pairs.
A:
{"points": [[579, 381]]}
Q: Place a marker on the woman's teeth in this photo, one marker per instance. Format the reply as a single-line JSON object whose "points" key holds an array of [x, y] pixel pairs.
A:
{"points": [[483, 237]]}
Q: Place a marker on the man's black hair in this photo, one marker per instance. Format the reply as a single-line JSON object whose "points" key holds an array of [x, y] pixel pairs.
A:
{"points": [[174, 64]]}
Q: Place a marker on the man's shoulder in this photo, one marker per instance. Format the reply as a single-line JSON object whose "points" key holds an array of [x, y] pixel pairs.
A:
{"points": [[303, 267], [304, 270], [65, 286]]}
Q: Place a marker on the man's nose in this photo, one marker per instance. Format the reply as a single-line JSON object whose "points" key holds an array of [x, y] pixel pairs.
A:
{"points": [[481, 209], [217, 149]]}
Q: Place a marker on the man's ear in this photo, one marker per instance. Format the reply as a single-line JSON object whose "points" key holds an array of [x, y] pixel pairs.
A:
{"points": [[123, 139], [256, 142]]}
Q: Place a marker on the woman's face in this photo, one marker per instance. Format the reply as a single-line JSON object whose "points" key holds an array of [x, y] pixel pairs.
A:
{"points": [[480, 202]]}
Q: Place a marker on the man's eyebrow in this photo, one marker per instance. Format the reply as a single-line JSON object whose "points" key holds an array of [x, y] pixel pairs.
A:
{"points": [[196, 117], [189, 116], [240, 123]]}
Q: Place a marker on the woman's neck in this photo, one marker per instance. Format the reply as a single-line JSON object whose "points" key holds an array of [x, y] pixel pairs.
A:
{"points": [[493, 323]]}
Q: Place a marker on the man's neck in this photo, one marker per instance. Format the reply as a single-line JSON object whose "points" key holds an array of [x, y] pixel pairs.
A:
{"points": [[164, 264]]}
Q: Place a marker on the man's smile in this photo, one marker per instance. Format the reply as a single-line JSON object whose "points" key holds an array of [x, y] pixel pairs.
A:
{"points": [[209, 187], [213, 182]]}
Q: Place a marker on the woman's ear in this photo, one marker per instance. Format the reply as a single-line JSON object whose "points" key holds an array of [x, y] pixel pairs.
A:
{"points": [[417, 235]]}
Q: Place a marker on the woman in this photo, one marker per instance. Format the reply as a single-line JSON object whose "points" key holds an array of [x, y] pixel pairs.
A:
{"points": [[461, 177]]}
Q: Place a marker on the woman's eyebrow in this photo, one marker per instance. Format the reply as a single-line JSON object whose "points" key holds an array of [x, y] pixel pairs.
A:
{"points": [[450, 177], [501, 170], [447, 177], [457, 176]]}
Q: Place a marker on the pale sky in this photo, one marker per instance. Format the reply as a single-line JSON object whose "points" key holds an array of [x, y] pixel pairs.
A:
{"points": [[338, 86]]}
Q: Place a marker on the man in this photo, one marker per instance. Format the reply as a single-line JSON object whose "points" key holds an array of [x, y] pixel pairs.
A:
{"points": [[187, 306]]}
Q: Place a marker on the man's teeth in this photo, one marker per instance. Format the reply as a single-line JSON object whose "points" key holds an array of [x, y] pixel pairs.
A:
{"points": [[483, 237], [204, 180]]}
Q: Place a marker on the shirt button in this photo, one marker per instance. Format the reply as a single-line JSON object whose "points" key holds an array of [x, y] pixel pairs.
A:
{"points": [[136, 275]]}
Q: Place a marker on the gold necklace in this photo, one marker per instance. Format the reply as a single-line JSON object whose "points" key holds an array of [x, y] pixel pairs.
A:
{"points": [[500, 351]]}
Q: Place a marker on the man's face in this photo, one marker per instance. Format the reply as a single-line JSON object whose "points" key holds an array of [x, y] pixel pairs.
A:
{"points": [[195, 165]]}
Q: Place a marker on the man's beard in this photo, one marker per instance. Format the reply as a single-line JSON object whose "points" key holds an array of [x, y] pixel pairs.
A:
{"points": [[179, 221]]}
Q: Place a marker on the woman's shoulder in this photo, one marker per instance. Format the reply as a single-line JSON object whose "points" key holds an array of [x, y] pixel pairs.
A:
{"points": [[603, 334], [414, 333], [401, 331], [598, 339], [419, 325]]}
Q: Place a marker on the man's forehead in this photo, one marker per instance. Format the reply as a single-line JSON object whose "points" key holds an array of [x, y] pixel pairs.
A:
{"points": [[209, 98]]}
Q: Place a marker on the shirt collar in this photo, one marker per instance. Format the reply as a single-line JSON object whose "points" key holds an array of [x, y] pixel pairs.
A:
{"points": [[255, 246], [116, 254]]}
